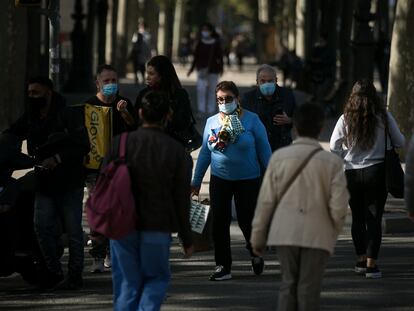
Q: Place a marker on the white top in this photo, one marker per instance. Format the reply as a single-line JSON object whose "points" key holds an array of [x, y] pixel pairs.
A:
{"points": [[356, 158]]}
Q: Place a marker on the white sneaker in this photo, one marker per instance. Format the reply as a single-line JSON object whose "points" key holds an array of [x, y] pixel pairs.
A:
{"points": [[97, 265], [107, 262]]}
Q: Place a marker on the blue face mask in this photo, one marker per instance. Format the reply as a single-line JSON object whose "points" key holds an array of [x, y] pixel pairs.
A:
{"points": [[110, 89], [268, 88], [228, 108]]}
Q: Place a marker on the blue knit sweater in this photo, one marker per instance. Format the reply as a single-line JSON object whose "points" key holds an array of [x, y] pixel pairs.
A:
{"points": [[246, 158]]}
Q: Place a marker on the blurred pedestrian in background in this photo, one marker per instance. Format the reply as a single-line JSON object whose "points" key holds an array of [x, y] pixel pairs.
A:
{"points": [[139, 55], [208, 61]]}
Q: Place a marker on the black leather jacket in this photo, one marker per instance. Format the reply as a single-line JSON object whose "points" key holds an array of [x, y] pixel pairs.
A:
{"points": [[61, 133], [283, 99]]}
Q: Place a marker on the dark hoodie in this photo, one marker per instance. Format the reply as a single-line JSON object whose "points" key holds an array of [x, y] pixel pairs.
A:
{"points": [[61, 133]]}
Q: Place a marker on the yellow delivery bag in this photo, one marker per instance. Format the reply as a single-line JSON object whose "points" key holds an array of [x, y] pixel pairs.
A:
{"points": [[98, 122]]}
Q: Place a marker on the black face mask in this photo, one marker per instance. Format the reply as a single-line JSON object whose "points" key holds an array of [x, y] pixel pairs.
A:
{"points": [[37, 103]]}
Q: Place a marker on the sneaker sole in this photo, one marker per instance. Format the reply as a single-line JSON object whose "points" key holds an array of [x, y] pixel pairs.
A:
{"points": [[360, 270], [223, 278], [375, 275]]}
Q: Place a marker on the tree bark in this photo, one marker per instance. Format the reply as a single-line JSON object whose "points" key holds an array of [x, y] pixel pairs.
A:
{"points": [[90, 36], [162, 29], [102, 9], [306, 27], [121, 40], [363, 42], [13, 38], [151, 12], [401, 78], [345, 41], [178, 27]]}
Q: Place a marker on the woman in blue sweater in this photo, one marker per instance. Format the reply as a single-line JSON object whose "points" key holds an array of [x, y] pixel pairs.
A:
{"points": [[235, 144]]}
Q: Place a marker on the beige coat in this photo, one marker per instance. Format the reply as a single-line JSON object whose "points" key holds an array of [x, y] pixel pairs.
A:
{"points": [[312, 212]]}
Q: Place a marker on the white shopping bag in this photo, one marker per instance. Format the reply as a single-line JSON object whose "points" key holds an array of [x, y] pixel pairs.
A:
{"points": [[198, 215]]}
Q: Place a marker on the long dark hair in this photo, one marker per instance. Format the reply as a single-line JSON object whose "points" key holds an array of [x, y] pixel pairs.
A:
{"points": [[362, 112], [169, 83]]}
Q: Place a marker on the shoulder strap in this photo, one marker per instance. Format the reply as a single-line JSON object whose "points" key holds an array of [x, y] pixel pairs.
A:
{"points": [[387, 132], [297, 172], [122, 145], [292, 179]]}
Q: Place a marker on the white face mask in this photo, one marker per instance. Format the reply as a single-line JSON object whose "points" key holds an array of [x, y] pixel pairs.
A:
{"points": [[205, 34], [228, 108]]}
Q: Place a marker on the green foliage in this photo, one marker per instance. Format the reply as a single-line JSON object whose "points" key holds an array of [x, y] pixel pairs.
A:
{"points": [[243, 8]]}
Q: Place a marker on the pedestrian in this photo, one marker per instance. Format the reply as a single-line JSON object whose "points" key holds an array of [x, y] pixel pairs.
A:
{"points": [[236, 147], [160, 173], [208, 61], [303, 220], [359, 138], [121, 120], [274, 104], [57, 139], [239, 48], [139, 55], [409, 179], [161, 76]]}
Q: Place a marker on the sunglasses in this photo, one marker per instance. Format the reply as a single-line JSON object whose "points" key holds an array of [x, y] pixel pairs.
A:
{"points": [[226, 99]]}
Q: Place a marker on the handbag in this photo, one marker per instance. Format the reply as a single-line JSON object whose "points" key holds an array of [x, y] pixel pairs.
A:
{"points": [[198, 215], [201, 225], [190, 137], [394, 174]]}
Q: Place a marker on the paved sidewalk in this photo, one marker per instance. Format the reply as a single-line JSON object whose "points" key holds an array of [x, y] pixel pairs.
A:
{"points": [[191, 290]]}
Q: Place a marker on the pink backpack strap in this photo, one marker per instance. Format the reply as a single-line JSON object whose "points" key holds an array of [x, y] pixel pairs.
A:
{"points": [[122, 145]]}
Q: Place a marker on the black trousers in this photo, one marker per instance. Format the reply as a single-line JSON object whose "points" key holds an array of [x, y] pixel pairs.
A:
{"points": [[245, 194], [368, 196]]}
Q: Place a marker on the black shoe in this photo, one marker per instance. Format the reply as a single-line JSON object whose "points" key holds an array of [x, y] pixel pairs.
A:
{"points": [[373, 273], [50, 280], [220, 274], [257, 265], [70, 283], [360, 267]]}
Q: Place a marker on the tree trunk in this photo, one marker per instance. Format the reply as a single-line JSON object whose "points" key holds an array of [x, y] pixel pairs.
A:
{"points": [[13, 40], [111, 37], [178, 27], [306, 27], [345, 41], [291, 15], [102, 10], [121, 39], [363, 42], [151, 12], [90, 35], [401, 78], [162, 29]]}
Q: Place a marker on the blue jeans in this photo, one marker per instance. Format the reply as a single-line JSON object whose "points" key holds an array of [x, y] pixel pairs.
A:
{"points": [[49, 210], [140, 270]]}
